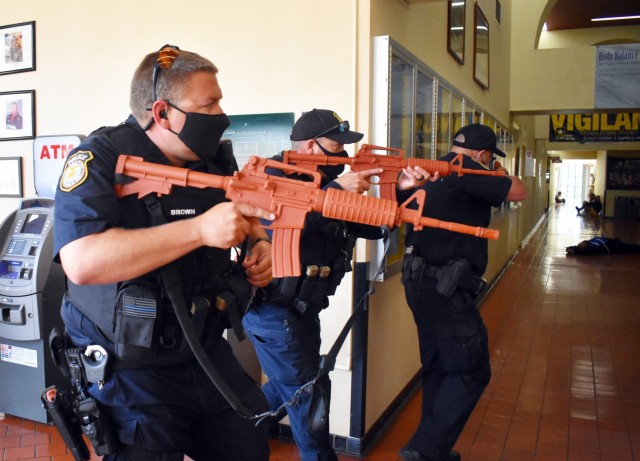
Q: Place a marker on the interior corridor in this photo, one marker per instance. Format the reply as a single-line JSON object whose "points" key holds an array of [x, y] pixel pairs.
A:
{"points": [[564, 339]]}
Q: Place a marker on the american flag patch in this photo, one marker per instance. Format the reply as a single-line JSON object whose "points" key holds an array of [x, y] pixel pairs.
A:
{"points": [[139, 307]]}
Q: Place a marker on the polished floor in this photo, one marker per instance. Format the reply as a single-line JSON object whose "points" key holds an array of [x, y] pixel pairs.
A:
{"points": [[565, 351]]}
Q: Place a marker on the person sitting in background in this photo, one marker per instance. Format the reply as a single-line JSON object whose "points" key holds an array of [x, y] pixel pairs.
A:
{"points": [[559, 198], [592, 207], [603, 246]]}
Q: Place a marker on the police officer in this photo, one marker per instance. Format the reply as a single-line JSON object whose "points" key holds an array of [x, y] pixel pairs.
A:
{"points": [[285, 327], [115, 253], [441, 276]]}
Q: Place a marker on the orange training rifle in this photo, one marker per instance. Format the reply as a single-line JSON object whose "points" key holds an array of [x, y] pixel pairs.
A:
{"points": [[392, 165], [288, 199]]}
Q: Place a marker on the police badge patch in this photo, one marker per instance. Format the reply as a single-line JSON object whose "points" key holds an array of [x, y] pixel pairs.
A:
{"points": [[75, 170]]}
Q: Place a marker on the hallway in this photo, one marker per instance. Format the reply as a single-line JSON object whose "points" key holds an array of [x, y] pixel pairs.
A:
{"points": [[564, 341]]}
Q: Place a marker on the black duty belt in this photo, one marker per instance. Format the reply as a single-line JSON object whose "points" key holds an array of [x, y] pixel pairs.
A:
{"points": [[456, 273]]}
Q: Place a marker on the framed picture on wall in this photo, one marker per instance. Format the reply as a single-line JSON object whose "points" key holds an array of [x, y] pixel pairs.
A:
{"points": [[623, 173], [19, 41], [456, 29], [10, 176], [18, 115], [480, 48]]}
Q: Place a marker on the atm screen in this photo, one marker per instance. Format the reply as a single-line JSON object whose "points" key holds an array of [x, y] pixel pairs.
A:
{"points": [[33, 224]]}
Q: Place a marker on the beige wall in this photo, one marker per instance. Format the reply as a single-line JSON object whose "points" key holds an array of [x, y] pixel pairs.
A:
{"points": [[422, 29], [276, 56], [589, 37], [290, 56], [548, 78], [273, 56]]}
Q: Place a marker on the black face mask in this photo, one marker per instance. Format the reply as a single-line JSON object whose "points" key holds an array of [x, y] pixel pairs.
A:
{"points": [[202, 132], [332, 171]]}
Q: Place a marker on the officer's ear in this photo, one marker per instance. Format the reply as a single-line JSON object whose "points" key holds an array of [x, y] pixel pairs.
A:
{"points": [[159, 112]]}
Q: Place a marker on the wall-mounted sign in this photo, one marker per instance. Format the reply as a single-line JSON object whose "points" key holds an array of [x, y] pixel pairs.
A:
{"points": [[600, 127], [49, 155], [617, 70]]}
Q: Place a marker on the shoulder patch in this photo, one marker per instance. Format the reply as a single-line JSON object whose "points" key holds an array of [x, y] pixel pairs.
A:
{"points": [[75, 170]]}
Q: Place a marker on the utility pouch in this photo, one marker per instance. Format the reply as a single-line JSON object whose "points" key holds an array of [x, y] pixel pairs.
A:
{"points": [[313, 291], [412, 268], [238, 299], [59, 342], [340, 267], [137, 323], [227, 303]]}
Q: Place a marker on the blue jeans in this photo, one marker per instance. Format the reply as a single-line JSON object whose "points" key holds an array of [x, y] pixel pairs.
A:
{"points": [[288, 348]]}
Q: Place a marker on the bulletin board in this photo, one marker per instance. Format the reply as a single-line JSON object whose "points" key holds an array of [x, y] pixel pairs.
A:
{"points": [[262, 135]]}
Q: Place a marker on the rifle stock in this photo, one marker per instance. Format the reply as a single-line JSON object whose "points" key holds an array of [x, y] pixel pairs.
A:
{"points": [[288, 199], [392, 164]]}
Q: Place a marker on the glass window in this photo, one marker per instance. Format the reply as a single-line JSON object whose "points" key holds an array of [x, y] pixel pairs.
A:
{"points": [[469, 112], [444, 111], [402, 90], [424, 119], [456, 115]]}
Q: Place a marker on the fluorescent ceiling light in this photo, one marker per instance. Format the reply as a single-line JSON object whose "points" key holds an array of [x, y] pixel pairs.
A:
{"points": [[616, 18]]}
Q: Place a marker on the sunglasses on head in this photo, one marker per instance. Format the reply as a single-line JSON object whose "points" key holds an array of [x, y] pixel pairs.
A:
{"points": [[341, 127], [164, 60]]}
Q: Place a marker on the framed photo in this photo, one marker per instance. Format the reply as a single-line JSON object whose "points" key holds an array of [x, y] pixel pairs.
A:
{"points": [[456, 29], [623, 173], [11, 177], [19, 41], [481, 48], [18, 115]]}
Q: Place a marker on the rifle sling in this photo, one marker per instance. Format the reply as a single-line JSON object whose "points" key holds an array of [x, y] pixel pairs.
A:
{"points": [[173, 287], [328, 361]]}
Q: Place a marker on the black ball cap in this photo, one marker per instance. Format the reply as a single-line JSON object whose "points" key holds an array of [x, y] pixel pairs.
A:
{"points": [[319, 123]]}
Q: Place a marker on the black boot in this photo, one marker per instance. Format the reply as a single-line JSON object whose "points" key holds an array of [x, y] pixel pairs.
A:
{"points": [[409, 454]]}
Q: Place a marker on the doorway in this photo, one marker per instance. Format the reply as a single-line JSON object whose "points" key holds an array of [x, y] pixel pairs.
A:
{"points": [[575, 179]]}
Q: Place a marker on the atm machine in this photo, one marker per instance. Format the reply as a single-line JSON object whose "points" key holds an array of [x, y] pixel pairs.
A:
{"points": [[31, 290]]}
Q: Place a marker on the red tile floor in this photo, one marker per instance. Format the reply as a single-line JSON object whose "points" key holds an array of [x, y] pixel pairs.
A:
{"points": [[565, 346]]}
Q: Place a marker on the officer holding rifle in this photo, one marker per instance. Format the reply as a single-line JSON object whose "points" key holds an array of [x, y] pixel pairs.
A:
{"points": [[285, 327], [442, 276], [133, 265]]}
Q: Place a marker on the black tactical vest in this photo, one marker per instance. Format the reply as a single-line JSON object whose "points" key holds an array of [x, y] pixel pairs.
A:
{"points": [[202, 271]]}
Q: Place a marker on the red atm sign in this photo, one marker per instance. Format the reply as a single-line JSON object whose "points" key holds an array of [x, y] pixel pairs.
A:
{"points": [[49, 155]]}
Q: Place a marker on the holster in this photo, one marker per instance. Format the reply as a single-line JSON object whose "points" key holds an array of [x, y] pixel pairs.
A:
{"points": [[77, 413], [457, 273], [60, 410]]}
